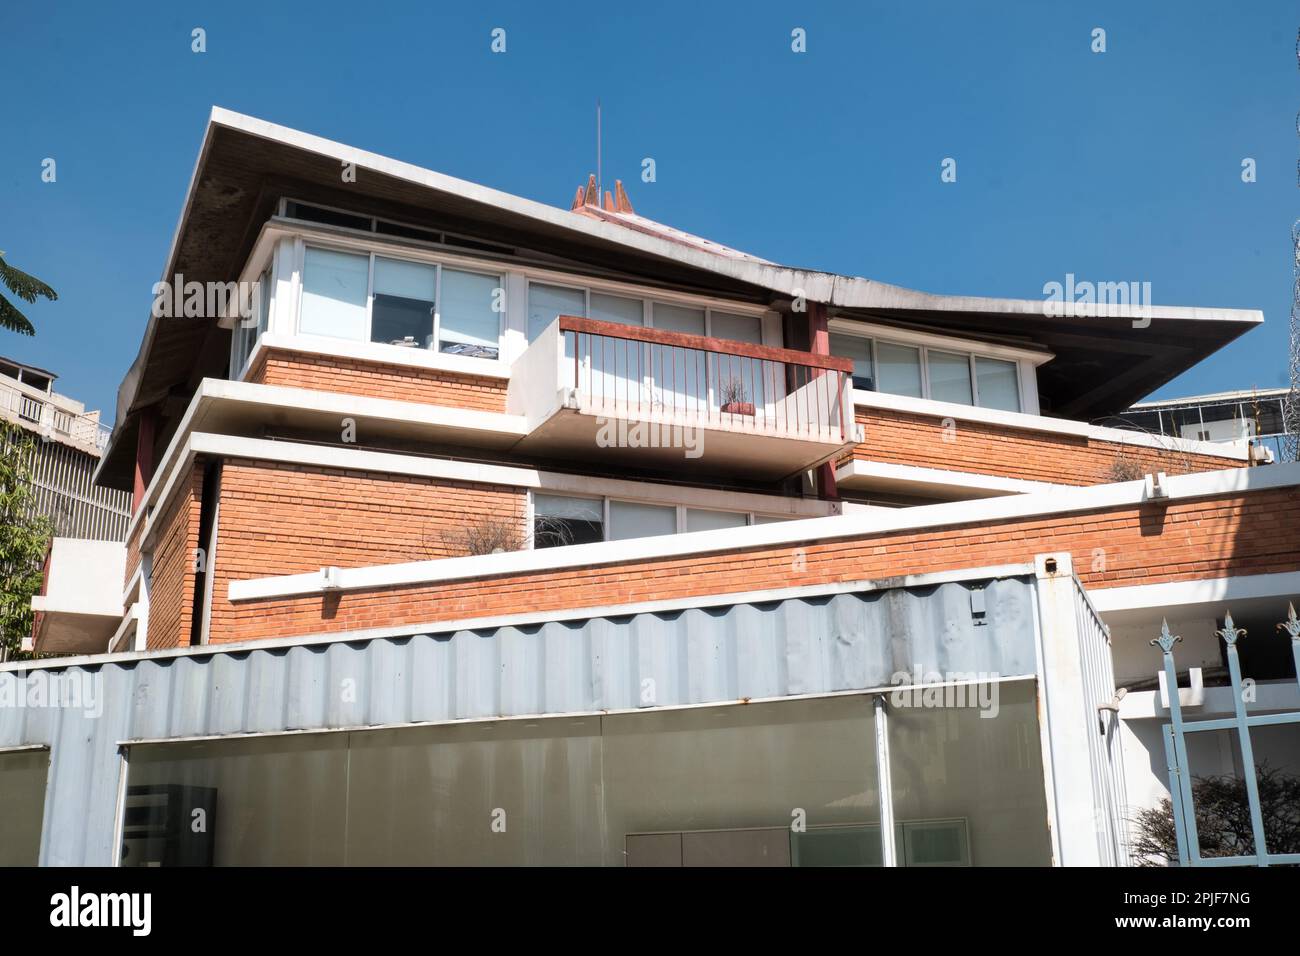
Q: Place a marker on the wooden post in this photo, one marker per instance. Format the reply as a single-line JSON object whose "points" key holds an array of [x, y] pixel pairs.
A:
{"points": [[819, 343]]}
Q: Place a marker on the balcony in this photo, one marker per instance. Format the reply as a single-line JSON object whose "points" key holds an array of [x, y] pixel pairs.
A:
{"points": [[38, 411], [652, 398]]}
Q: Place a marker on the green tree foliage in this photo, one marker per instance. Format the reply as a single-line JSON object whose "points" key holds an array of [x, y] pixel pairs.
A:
{"points": [[1223, 819], [24, 537], [26, 288]]}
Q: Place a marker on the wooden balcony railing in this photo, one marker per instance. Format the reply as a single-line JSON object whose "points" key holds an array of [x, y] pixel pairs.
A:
{"points": [[634, 372]]}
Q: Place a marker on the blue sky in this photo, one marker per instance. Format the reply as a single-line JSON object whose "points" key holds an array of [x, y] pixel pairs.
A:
{"points": [[1124, 165]]}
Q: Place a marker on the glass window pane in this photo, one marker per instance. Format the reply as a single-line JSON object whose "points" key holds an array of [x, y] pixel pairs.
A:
{"points": [[998, 385], [413, 792], [560, 521], [858, 349], [469, 323], [716, 786], [628, 519], [680, 376], [968, 776], [949, 377], [268, 801], [22, 805], [900, 369], [737, 328], [698, 519], [546, 302], [617, 308], [403, 307], [773, 519], [676, 318], [334, 294]]}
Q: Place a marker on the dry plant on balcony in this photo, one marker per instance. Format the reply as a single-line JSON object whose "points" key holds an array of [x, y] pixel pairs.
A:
{"points": [[733, 398], [1128, 466], [495, 534], [486, 534]]}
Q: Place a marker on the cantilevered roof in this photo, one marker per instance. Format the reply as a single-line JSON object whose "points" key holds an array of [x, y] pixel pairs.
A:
{"points": [[1101, 365]]}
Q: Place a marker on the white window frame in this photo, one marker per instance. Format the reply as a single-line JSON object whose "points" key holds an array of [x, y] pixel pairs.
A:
{"points": [[971, 350], [436, 264], [607, 500]]}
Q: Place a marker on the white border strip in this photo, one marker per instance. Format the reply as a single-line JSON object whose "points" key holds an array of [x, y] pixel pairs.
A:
{"points": [[1242, 587], [855, 524], [1235, 450], [860, 473]]}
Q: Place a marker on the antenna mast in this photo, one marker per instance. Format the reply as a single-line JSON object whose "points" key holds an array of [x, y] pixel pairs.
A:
{"points": [[600, 183]]}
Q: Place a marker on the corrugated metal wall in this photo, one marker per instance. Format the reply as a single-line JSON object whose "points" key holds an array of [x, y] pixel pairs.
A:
{"points": [[797, 646]]}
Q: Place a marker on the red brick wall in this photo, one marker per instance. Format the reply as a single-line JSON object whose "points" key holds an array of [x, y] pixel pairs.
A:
{"points": [[921, 440], [133, 551], [171, 595], [380, 380], [1228, 534], [286, 519]]}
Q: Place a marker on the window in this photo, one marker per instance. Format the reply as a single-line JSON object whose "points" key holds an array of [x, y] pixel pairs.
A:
{"points": [[548, 302], [629, 519], [395, 302], [559, 521], [617, 308], [334, 294], [858, 349], [470, 316], [962, 378], [698, 519], [998, 384], [249, 329], [949, 377], [900, 369], [402, 312]]}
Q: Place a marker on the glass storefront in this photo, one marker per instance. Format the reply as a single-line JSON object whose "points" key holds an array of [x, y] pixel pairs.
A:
{"points": [[780, 783]]}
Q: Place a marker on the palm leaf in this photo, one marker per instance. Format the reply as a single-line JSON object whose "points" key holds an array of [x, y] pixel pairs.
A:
{"points": [[13, 320], [24, 286]]}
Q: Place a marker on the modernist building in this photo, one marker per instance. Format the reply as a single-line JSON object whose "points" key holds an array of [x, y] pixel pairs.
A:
{"points": [[500, 532], [71, 441]]}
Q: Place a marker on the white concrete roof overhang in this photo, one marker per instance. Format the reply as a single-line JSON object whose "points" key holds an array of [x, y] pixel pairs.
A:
{"points": [[1102, 364]]}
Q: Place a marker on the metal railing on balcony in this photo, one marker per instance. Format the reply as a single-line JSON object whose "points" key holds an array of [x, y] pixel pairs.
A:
{"points": [[632, 372], [46, 417]]}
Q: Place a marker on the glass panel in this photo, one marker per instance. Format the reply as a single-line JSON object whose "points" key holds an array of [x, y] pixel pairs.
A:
{"points": [[949, 377], [517, 793], [334, 294], [22, 806], [559, 521], [900, 369], [616, 308], [470, 324], [698, 519], [772, 519], [858, 349], [681, 376], [546, 302], [271, 801], [738, 328], [722, 786], [966, 763], [628, 519], [618, 366], [998, 384], [403, 306]]}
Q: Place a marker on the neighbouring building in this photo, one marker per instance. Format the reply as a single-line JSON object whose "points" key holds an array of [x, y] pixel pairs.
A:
{"points": [[71, 442], [498, 532], [1254, 415]]}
